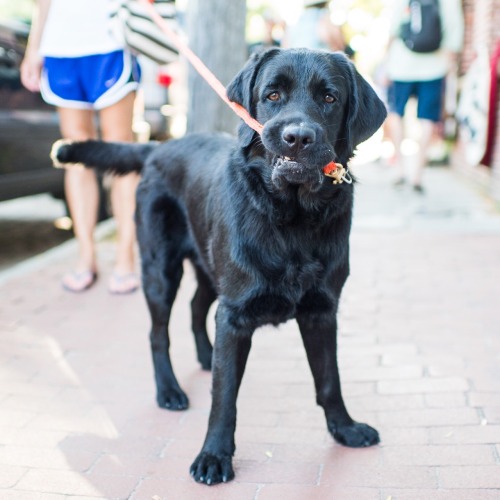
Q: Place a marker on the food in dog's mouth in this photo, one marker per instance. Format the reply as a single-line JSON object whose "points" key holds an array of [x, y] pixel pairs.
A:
{"points": [[285, 162], [289, 167], [287, 170]]}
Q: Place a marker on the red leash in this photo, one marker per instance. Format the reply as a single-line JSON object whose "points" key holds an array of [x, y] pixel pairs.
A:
{"points": [[198, 64], [334, 170]]}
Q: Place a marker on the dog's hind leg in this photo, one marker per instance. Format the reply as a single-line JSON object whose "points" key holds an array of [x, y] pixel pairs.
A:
{"points": [[160, 233], [319, 335], [203, 298]]}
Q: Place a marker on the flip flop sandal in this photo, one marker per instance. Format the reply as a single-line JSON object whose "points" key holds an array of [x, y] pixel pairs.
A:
{"points": [[123, 284], [79, 281]]}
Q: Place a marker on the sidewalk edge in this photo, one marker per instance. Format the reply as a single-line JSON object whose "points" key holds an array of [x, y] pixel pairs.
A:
{"points": [[103, 230]]}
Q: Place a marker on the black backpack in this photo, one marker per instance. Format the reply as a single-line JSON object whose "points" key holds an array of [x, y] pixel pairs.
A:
{"points": [[423, 32]]}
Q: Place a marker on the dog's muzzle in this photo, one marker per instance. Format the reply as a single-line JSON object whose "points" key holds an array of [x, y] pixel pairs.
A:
{"points": [[291, 169], [287, 170]]}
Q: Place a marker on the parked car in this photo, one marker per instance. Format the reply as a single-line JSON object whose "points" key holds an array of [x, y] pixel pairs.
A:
{"points": [[29, 127]]}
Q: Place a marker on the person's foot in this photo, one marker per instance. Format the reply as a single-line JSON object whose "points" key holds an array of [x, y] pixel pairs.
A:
{"points": [[399, 182], [418, 189], [79, 281], [122, 284]]}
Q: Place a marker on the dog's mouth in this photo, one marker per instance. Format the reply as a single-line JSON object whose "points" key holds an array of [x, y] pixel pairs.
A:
{"points": [[289, 170], [289, 167]]}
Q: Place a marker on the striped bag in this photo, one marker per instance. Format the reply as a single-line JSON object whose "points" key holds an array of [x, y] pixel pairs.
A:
{"points": [[131, 24]]}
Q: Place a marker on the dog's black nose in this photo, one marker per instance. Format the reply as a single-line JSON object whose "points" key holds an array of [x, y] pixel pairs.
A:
{"points": [[298, 137]]}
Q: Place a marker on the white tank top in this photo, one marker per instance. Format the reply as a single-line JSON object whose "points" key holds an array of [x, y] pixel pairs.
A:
{"points": [[77, 28]]}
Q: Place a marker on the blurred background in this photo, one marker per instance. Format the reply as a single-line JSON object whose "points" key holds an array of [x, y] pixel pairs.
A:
{"points": [[174, 99]]}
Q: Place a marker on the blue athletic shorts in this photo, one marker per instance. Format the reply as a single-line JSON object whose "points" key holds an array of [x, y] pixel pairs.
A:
{"points": [[89, 82], [429, 96]]}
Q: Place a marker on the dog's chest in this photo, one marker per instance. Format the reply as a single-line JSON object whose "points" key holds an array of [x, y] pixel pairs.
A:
{"points": [[298, 273], [275, 290], [282, 268]]}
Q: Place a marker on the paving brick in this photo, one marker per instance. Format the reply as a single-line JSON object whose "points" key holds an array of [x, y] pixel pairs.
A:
{"points": [[309, 419], [27, 403], [492, 414], [329, 452], [30, 438], [299, 492], [429, 417], [439, 494], [161, 489], [184, 448], [399, 476], [358, 388], [114, 486], [131, 465], [391, 402], [293, 435], [15, 418], [287, 403], [33, 458], [424, 385], [277, 472], [472, 477], [476, 434], [439, 455], [49, 481], [481, 399], [71, 483], [10, 475], [31, 495], [451, 400], [402, 436], [362, 374]]}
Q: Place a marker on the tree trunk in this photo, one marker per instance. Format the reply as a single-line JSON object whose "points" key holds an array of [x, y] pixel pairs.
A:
{"points": [[216, 30]]}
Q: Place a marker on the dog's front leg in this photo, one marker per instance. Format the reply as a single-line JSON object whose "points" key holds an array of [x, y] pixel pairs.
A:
{"points": [[319, 334], [214, 463]]}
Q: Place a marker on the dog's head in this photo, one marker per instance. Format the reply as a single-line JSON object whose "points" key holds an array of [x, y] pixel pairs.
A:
{"points": [[315, 108]]}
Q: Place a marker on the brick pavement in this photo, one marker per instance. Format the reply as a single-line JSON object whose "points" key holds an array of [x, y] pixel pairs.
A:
{"points": [[419, 353]]}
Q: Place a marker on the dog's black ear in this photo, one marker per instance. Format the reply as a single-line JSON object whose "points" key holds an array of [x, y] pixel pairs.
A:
{"points": [[241, 91], [366, 112]]}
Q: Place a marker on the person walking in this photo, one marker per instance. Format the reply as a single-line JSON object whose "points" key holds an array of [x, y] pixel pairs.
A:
{"points": [[79, 68], [421, 75]]}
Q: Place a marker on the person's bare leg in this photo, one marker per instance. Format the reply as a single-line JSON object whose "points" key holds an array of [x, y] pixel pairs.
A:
{"points": [[123, 203], [82, 195], [426, 131], [116, 125], [395, 128]]}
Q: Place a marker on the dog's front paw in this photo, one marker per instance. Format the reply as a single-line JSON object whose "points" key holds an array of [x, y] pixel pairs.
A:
{"points": [[212, 469], [172, 399], [355, 435]]}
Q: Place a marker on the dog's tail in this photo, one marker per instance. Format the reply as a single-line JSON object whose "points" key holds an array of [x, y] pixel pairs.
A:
{"points": [[113, 157]]}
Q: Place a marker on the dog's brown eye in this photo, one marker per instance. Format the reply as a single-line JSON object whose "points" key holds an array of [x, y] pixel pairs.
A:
{"points": [[329, 98], [274, 96]]}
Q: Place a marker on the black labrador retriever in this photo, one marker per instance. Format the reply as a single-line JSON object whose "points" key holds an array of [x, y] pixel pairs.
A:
{"points": [[266, 230]]}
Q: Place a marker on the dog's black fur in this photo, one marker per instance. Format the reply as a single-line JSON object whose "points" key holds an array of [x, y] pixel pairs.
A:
{"points": [[266, 231]]}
